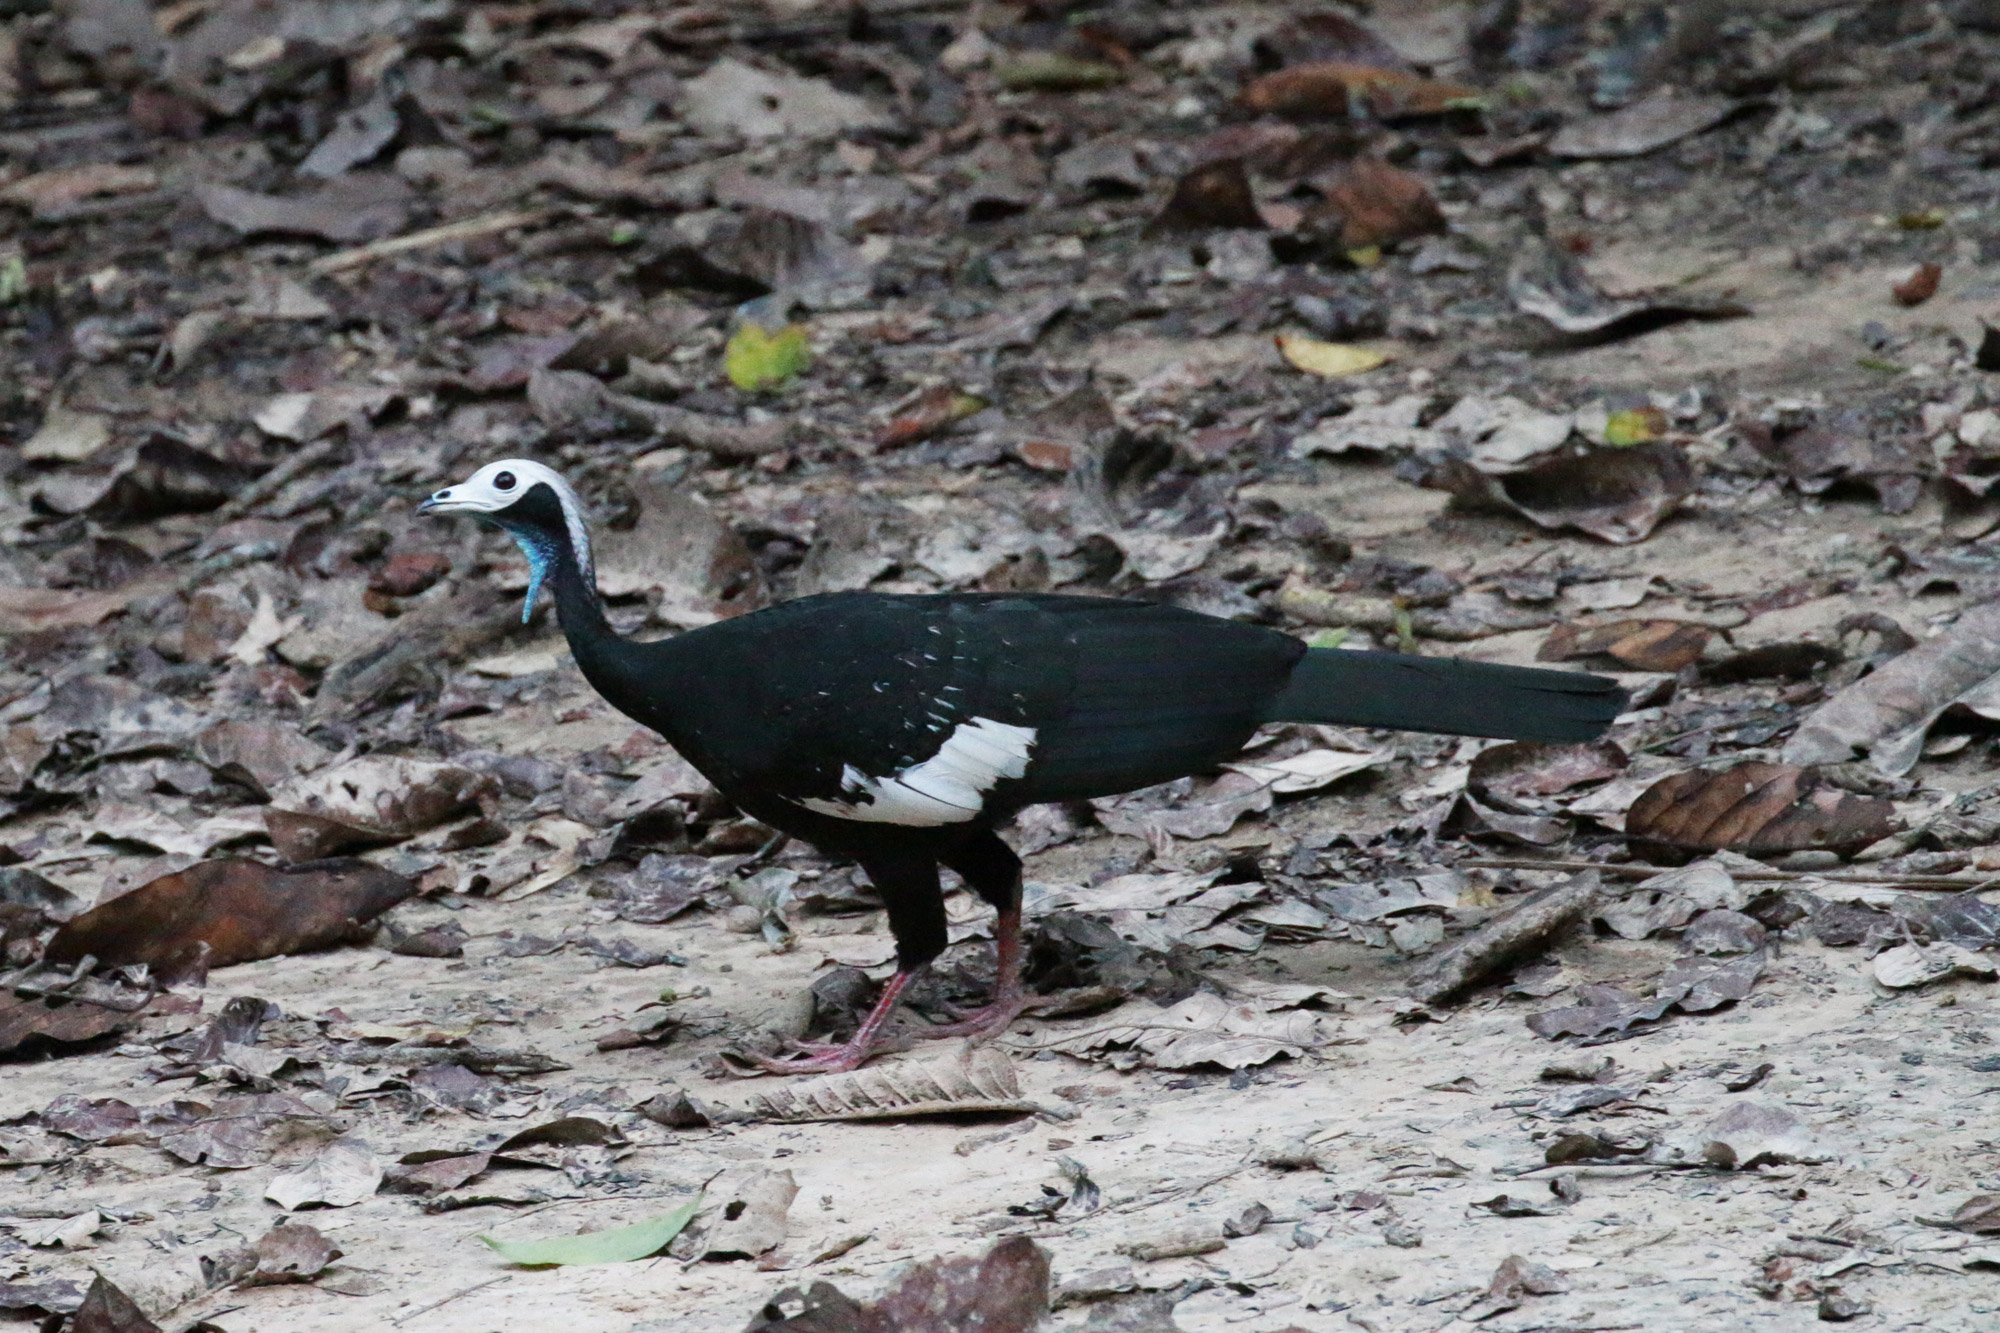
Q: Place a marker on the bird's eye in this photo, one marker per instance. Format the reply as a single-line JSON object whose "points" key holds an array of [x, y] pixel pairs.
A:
{"points": [[444, 494], [504, 482]]}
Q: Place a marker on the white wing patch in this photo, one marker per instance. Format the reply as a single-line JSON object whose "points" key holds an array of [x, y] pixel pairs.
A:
{"points": [[948, 788]]}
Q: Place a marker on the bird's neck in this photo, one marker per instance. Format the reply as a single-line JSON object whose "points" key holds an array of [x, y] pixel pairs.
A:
{"points": [[607, 659]]}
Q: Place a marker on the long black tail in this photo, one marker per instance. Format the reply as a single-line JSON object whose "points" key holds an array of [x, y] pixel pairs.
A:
{"points": [[1443, 694]]}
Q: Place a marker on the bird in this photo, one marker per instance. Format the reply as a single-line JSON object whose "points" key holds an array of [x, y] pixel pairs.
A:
{"points": [[901, 731]]}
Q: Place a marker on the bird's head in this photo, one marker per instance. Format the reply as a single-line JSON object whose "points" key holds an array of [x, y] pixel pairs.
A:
{"points": [[535, 506]]}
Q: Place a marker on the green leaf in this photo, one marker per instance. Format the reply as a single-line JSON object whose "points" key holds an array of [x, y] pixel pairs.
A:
{"points": [[617, 1246], [756, 359], [1329, 638]]}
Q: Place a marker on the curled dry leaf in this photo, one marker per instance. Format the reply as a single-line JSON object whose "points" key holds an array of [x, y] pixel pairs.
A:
{"points": [[982, 1082], [1617, 495], [1005, 1290], [370, 802], [1328, 360], [1919, 287], [1887, 714], [1757, 808], [1908, 966], [1979, 1215], [231, 911], [1550, 284], [1640, 645], [1691, 984], [745, 1214]]}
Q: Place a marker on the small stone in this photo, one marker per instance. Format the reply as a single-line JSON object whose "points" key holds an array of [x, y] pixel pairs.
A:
{"points": [[1837, 1307]]}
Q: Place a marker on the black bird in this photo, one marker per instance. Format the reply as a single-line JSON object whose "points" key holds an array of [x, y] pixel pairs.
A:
{"points": [[899, 731]]}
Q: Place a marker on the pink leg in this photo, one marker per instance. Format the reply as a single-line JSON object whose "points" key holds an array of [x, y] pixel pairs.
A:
{"points": [[821, 1057], [1009, 998]]}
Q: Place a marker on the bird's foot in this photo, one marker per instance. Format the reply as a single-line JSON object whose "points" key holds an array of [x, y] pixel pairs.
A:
{"points": [[989, 1020], [816, 1057]]}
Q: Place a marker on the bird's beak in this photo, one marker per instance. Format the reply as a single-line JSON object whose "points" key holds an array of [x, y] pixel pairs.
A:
{"points": [[442, 502]]}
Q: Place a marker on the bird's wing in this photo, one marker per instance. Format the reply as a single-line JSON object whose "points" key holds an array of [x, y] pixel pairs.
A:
{"points": [[937, 710]]}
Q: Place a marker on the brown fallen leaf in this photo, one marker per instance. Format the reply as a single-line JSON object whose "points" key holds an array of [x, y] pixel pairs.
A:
{"points": [[931, 411], [54, 195], [1005, 1290], [1524, 770], [1334, 88], [231, 911], [1617, 495], [370, 802], [1214, 194], [1377, 204], [1757, 808], [983, 1082], [289, 1253], [30, 1022], [37, 610], [1639, 645], [1887, 714], [1505, 940], [1919, 287]]}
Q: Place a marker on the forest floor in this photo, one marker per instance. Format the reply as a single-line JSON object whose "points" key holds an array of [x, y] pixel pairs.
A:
{"points": [[1649, 338]]}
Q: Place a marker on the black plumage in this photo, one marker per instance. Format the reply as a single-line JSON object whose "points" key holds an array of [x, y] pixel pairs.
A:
{"points": [[901, 730]]}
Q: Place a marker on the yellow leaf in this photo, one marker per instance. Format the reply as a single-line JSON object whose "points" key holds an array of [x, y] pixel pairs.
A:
{"points": [[1365, 256], [1329, 359], [1634, 426], [756, 359]]}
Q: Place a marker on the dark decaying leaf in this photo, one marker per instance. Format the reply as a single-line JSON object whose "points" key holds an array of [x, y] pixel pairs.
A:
{"points": [[107, 1309], [232, 911], [1845, 448], [1618, 495], [1639, 645], [1757, 808], [1887, 714], [1694, 985], [1006, 1290], [1523, 770], [31, 1022], [47, 1296], [1550, 284], [664, 886], [236, 1132], [1215, 194]]}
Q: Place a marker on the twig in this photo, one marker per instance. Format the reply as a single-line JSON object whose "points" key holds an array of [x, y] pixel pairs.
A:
{"points": [[1633, 870], [268, 485], [1504, 940], [404, 1318], [463, 230]]}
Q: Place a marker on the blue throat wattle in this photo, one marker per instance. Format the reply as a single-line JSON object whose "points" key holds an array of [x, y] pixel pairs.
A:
{"points": [[541, 553]]}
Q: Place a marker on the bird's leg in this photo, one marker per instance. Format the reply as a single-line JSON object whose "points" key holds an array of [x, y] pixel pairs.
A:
{"points": [[990, 868], [1009, 996], [828, 1057], [909, 888]]}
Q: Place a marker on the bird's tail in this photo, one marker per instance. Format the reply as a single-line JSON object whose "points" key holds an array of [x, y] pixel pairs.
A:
{"points": [[1444, 694]]}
